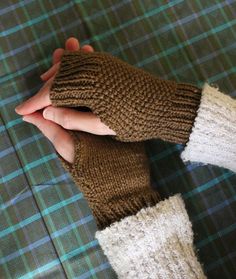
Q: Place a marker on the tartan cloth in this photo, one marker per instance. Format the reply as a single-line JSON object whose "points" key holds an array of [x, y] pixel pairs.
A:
{"points": [[46, 227]]}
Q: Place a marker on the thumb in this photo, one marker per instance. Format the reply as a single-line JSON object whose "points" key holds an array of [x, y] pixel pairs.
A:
{"points": [[59, 137], [72, 119]]}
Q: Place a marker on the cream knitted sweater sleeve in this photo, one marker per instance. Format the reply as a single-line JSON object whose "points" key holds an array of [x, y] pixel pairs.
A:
{"points": [[155, 243], [213, 136]]}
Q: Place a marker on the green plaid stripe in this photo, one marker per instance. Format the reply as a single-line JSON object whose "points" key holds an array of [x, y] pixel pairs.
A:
{"points": [[191, 41], [15, 241], [47, 229]]}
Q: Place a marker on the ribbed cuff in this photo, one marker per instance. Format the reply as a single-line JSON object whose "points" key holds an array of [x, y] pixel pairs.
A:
{"points": [[75, 84], [181, 114], [213, 138], [157, 242]]}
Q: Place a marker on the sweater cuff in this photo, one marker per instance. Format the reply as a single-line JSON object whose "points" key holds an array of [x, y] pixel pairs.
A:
{"points": [[157, 242], [213, 138]]}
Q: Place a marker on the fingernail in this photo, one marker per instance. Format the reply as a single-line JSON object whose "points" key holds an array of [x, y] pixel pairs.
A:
{"points": [[17, 108], [42, 76], [48, 114]]}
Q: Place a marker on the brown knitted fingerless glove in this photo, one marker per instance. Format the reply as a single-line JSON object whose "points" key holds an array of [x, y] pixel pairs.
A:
{"points": [[135, 104], [113, 176]]}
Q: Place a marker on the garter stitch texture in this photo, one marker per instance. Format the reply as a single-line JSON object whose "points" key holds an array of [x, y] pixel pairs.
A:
{"points": [[155, 243], [113, 176], [213, 138], [135, 104]]}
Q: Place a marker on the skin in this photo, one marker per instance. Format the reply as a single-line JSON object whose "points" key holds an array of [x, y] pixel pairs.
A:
{"points": [[54, 122]]}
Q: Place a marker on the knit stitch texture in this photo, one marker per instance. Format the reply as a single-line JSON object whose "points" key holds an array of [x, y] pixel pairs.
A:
{"points": [[213, 138], [113, 176], [155, 243], [134, 103]]}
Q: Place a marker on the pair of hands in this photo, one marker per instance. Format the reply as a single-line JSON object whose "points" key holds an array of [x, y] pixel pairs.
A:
{"points": [[54, 122]]}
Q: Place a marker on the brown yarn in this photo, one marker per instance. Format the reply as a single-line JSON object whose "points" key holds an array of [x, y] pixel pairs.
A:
{"points": [[135, 104], [113, 176]]}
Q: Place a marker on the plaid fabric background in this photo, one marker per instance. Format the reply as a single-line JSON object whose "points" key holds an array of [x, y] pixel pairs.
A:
{"points": [[46, 227]]}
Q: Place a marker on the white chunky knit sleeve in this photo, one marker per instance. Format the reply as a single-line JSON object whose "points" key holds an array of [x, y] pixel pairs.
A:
{"points": [[155, 243], [213, 137]]}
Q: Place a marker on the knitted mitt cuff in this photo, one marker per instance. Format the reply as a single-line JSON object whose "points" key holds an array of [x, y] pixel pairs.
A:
{"points": [[113, 176], [213, 138], [157, 242], [182, 113], [132, 102]]}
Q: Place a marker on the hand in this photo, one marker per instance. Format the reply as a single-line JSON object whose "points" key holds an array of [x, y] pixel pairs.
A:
{"points": [[135, 104], [54, 127]]}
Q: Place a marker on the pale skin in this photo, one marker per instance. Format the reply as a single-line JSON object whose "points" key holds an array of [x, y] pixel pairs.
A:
{"points": [[62, 119]]}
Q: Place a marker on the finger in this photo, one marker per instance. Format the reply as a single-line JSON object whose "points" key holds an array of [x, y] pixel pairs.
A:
{"points": [[72, 44], [87, 48], [72, 119], [57, 54], [59, 137], [38, 101], [51, 72]]}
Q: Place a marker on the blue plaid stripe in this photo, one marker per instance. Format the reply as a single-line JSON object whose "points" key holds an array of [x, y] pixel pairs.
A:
{"points": [[65, 216], [188, 41], [10, 213]]}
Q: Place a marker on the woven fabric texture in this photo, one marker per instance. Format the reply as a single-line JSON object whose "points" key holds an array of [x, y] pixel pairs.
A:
{"points": [[47, 229]]}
